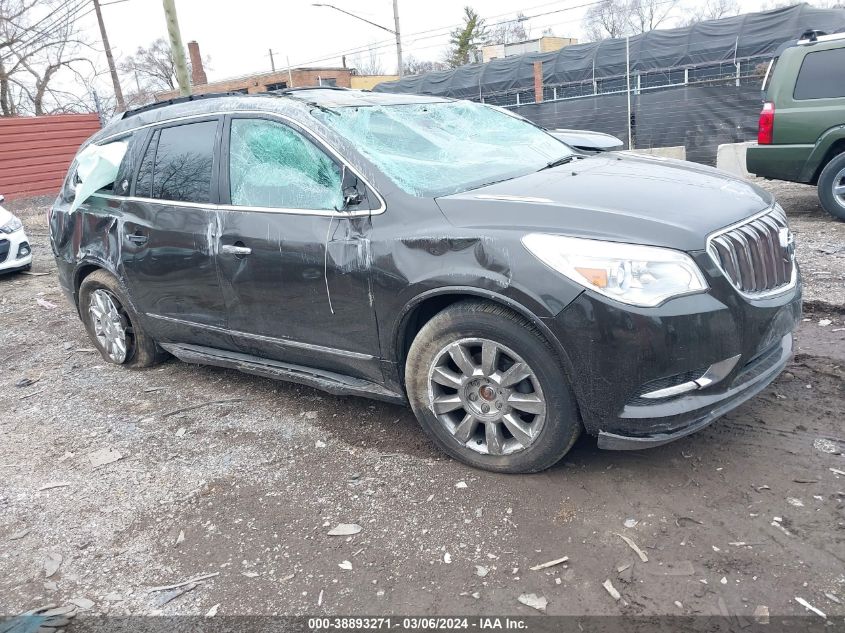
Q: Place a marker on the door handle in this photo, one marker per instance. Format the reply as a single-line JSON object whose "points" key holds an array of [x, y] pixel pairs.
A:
{"points": [[137, 238], [233, 249]]}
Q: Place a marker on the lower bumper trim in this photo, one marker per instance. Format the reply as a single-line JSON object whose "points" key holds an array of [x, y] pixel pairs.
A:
{"points": [[619, 442]]}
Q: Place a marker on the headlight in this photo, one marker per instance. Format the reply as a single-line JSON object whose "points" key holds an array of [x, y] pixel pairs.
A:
{"points": [[11, 226], [638, 275]]}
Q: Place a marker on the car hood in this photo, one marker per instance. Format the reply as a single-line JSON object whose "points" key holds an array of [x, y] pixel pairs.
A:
{"points": [[5, 216], [616, 197]]}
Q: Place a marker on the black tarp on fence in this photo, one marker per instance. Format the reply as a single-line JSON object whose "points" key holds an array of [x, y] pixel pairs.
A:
{"points": [[698, 117], [727, 40]]}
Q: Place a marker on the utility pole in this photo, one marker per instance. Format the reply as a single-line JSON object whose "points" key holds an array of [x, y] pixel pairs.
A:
{"points": [[272, 61], [177, 50], [118, 93], [395, 31], [399, 65]]}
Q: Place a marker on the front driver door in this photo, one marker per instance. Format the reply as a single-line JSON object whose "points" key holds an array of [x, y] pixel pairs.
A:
{"points": [[295, 271]]}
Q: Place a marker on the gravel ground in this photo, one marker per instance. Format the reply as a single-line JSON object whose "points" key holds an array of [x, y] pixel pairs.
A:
{"points": [[226, 474]]}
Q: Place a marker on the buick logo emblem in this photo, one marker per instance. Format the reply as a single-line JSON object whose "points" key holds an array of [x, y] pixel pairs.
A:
{"points": [[787, 243]]}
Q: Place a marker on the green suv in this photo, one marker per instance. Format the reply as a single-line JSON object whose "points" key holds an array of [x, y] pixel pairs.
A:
{"points": [[802, 126]]}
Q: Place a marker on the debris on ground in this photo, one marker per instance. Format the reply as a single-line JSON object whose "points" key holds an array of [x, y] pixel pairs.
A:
{"points": [[54, 484], [629, 523], [825, 446], [481, 571], [169, 596], [551, 563], [180, 538], [534, 601], [83, 603], [196, 579], [447, 558], [49, 305], [611, 590], [52, 562], [345, 529], [461, 484], [761, 614], [16, 536], [104, 456], [212, 611], [810, 607], [345, 565], [633, 546], [832, 597]]}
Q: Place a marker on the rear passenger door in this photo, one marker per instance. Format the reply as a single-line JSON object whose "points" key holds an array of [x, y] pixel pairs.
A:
{"points": [[169, 235]]}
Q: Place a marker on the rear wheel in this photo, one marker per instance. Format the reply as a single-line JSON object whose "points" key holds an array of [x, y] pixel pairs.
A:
{"points": [[113, 325], [490, 391], [832, 187]]}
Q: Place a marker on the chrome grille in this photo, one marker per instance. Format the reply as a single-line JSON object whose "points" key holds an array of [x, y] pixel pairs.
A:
{"points": [[757, 256]]}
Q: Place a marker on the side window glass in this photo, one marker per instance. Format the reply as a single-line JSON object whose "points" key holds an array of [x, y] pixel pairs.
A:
{"points": [[144, 183], [183, 162], [273, 165], [822, 76], [120, 186]]}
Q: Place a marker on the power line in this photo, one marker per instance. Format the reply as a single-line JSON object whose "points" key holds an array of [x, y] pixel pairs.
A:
{"points": [[447, 30]]}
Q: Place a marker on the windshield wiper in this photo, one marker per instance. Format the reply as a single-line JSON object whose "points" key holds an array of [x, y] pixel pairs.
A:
{"points": [[561, 161]]}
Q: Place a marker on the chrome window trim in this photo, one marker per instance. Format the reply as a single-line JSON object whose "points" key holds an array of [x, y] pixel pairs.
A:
{"points": [[326, 146], [269, 339], [713, 254]]}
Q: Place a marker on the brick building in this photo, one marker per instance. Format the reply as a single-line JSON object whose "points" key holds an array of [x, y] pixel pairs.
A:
{"points": [[261, 82]]}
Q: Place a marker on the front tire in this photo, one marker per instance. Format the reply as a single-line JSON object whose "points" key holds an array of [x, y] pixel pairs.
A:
{"points": [[113, 325], [832, 187], [490, 391]]}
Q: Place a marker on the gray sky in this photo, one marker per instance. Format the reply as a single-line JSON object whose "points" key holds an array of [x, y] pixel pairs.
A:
{"points": [[237, 35]]}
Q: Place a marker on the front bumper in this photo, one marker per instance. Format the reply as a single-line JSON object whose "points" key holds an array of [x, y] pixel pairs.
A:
{"points": [[618, 353], [699, 411], [15, 251]]}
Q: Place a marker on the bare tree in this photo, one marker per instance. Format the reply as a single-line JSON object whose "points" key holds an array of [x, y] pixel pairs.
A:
{"points": [[710, 10], [647, 15], [151, 65], [511, 31], [414, 66], [607, 19], [369, 65], [38, 40]]}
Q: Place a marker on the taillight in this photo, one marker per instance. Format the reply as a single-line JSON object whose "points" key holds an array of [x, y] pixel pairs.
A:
{"points": [[766, 128]]}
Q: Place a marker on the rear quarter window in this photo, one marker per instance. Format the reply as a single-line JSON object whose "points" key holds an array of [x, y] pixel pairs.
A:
{"points": [[822, 75]]}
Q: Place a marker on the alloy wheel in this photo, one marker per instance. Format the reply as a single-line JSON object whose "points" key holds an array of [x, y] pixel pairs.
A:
{"points": [[110, 325], [486, 396], [839, 187]]}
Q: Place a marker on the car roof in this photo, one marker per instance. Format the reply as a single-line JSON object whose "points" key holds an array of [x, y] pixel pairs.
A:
{"points": [[293, 102]]}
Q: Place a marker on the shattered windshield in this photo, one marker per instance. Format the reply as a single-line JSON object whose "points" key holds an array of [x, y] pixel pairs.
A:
{"points": [[436, 149]]}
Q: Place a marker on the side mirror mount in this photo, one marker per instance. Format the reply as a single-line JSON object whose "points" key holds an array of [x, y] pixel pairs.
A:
{"points": [[349, 185]]}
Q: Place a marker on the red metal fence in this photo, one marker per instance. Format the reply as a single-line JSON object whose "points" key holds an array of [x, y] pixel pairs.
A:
{"points": [[35, 152]]}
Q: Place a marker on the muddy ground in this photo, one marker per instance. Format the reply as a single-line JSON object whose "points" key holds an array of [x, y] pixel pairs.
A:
{"points": [[227, 474]]}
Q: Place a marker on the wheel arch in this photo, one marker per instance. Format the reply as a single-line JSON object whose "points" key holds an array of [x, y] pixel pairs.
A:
{"points": [[427, 304], [83, 269], [830, 145]]}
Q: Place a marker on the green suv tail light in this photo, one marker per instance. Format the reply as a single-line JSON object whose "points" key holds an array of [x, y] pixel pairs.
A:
{"points": [[766, 127]]}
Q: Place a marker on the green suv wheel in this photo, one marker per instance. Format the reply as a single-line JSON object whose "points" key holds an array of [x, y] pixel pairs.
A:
{"points": [[832, 187]]}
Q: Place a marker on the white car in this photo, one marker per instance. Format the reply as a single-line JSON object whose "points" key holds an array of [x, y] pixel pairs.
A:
{"points": [[15, 251]]}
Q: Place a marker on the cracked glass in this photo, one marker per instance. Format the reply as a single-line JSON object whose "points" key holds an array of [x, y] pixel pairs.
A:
{"points": [[273, 165]]}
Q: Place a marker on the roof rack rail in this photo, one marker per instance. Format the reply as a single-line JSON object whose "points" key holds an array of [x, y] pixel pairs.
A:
{"points": [[284, 91], [175, 100], [811, 35]]}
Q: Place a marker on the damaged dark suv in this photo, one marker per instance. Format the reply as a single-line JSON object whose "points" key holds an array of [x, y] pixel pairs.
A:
{"points": [[442, 253]]}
